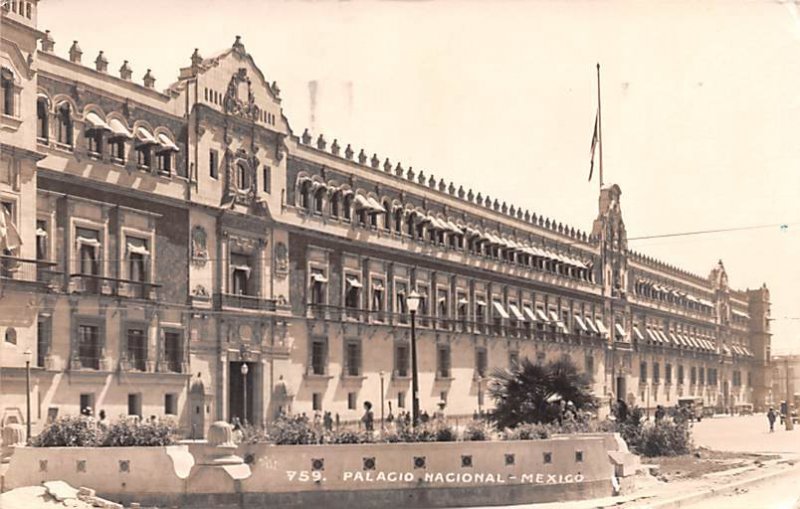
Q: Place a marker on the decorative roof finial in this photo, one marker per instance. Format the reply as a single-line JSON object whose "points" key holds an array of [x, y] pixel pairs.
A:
{"points": [[47, 42], [196, 58], [149, 79], [125, 72], [101, 62], [238, 45], [348, 152], [75, 53], [305, 137]]}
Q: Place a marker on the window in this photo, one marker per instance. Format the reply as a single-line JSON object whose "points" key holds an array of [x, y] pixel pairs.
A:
{"points": [[513, 359], [170, 404], [137, 349], [87, 403], [351, 400], [319, 199], [266, 179], [116, 147], [701, 376], [41, 240], [240, 274], [11, 336], [42, 341], [353, 358], [88, 256], [352, 298], [144, 156], [398, 220], [135, 404], [443, 361], [319, 356], [316, 401], [387, 216], [64, 125], [668, 374], [42, 119], [347, 207], [443, 305], [94, 141], [693, 376], [401, 357], [481, 362], [541, 357], [378, 299], [334, 203], [643, 372], [213, 164], [422, 309], [164, 162], [173, 351], [7, 78], [318, 286], [137, 265], [242, 176], [89, 346], [401, 399], [680, 374], [401, 305], [305, 194], [656, 373]]}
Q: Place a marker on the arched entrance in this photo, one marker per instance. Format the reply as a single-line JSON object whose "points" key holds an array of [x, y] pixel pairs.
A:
{"points": [[197, 408]]}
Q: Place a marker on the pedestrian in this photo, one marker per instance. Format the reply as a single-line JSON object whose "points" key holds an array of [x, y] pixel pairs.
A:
{"points": [[438, 415], [368, 419], [328, 421], [423, 417], [622, 411], [102, 423], [659, 413], [771, 417]]}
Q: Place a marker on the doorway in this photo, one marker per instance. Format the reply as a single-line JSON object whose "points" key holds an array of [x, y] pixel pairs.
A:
{"points": [[620, 386], [241, 390]]}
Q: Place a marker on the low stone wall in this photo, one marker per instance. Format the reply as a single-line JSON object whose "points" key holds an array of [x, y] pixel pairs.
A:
{"points": [[198, 475]]}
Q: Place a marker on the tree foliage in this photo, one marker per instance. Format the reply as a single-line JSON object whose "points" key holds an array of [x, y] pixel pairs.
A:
{"points": [[534, 393]]}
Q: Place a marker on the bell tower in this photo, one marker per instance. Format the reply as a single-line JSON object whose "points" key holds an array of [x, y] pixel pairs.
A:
{"points": [[21, 11], [609, 230]]}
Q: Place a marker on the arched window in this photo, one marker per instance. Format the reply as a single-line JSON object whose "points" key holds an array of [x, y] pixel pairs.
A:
{"points": [[64, 126], [7, 78], [410, 224], [319, 199], [305, 194], [347, 207], [42, 119], [398, 220], [335, 202], [387, 216], [242, 176]]}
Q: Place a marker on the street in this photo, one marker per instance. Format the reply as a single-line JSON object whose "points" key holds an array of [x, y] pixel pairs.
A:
{"points": [[746, 434]]}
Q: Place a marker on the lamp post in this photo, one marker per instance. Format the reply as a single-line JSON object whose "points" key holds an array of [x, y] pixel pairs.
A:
{"points": [[244, 371], [413, 304], [28, 355], [789, 399], [382, 374]]}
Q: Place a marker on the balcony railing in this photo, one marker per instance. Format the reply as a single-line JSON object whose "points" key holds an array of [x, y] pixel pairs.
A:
{"points": [[116, 287], [252, 302], [28, 271]]}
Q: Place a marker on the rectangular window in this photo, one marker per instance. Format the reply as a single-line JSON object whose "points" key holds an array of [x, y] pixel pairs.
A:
{"points": [[481, 362], [443, 396], [693, 376], [319, 286], [701, 376], [42, 342], [352, 295], [680, 374], [319, 356], [668, 374], [351, 400], [213, 164], [422, 310], [135, 404], [266, 178], [164, 162], [170, 404], [94, 142], [589, 365], [400, 303], [656, 373], [240, 274], [401, 399], [137, 349], [87, 403], [41, 240], [401, 357], [173, 351], [316, 401], [642, 372], [144, 157], [443, 361], [353, 358], [378, 304], [89, 346], [116, 149]]}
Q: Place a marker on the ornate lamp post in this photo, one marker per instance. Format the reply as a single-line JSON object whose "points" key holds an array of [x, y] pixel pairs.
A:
{"points": [[28, 355], [413, 304], [244, 371]]}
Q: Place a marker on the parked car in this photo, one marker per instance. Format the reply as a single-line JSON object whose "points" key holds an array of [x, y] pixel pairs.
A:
{"points": [[746, 409], [784, 411], [693, 407]]}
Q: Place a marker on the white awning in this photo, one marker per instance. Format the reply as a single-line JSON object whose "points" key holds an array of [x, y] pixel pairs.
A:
{"points": [[88, 241], [118, 129], [706, 302], [9, 235], [540, 314], [244, 268], [529, 313], [601, 327], [664, 338], [620, 330], [167, 143], [362, 202], [553, 316], [675, 339], [138, 249], [580, 324], [480, 302], [498, 307], [592, 326], [726, 350], [454, 228], [318, 278], [653, 336], [375, 205], [41, 233], [463, 300], [355, 283], [740, 314], [145, 136], [637, 333], [95, 122], [515, 311]]}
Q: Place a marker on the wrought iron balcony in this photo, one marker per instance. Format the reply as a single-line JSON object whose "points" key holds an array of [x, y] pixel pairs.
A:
{"points": [[25, 271], [251, 302], [98, 285]]}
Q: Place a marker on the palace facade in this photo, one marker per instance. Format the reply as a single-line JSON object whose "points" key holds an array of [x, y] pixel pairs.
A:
{"points": [[186, 253]]}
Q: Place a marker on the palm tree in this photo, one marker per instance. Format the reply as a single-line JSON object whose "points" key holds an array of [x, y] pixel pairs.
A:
{"points": [[531, 393]]}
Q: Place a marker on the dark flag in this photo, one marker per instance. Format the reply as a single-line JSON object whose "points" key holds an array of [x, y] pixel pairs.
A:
{"points": [[595, 139]]}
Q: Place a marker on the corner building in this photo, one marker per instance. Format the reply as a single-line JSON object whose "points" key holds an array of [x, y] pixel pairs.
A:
{"points": [[185, 253]]}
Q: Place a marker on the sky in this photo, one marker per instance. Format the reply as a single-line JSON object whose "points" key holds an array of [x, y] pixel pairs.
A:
{"points": [[700, 105]]}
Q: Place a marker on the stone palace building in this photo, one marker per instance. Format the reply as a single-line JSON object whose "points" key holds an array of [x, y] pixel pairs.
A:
{"points": [[156, 243]]}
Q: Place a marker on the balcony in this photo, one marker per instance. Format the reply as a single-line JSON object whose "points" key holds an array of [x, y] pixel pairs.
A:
{"points": [[34, 273], [248, 302], [91, 284]]}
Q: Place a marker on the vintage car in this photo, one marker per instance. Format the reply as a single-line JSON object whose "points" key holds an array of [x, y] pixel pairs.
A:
{"points": [[693, 406]]}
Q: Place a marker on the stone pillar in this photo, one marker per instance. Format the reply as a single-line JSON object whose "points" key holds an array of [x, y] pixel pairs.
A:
{"points": [[14, 435]]}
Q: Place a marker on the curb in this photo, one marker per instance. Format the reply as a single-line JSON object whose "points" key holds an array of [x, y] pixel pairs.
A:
{"points": [[692, 498]]}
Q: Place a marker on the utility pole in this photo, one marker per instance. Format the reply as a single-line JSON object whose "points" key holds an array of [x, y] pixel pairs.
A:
{"points": [[789, 399]]}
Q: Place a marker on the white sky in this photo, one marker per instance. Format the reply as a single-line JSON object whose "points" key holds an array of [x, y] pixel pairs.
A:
{"points": [[701, 103]]}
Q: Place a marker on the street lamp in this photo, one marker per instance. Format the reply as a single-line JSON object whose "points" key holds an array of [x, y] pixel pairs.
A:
{"points": [[28, 355], [244, 371], [382, 374], [413, 304]]}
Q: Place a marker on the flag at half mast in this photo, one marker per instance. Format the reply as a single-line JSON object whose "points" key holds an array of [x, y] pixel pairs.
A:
{"points": [[594, 146], [597, 135]]}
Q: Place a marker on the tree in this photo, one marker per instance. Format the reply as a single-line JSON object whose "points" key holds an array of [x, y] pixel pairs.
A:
{"points": [[532, 393]]}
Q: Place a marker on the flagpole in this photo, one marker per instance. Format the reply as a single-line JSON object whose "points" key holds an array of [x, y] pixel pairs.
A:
{"points": [[599, 125]]}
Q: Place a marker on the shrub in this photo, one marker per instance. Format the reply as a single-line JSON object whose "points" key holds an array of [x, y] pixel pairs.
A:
{"points": [[476, 431], [349, 437], [253, 434], [528, 432], [445, 433], [69, 432], [664, 438], [294, 431], [127, 433]]}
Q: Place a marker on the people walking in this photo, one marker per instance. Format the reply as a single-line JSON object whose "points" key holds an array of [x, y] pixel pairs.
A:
{"points": [[771, 417], [368, 419]]}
